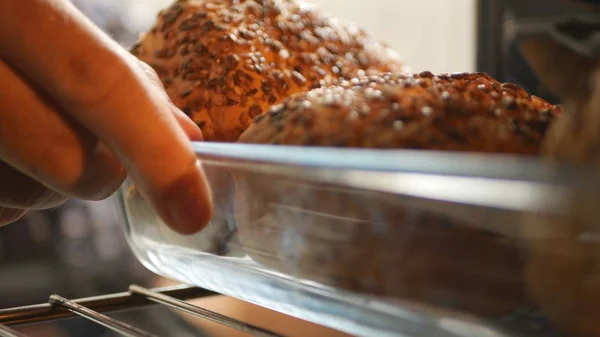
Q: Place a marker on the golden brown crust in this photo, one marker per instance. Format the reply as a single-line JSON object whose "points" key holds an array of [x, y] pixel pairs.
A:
{"points": [[459, 112], [225, 61]]}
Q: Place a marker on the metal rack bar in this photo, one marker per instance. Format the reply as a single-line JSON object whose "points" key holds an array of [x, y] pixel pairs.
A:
{"points": [[91, 308], [110, 323], [102, 304], [8, 332], [201, 312]]}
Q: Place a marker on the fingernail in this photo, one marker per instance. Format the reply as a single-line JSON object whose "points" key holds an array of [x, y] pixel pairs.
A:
{"points": [[189, 206]]}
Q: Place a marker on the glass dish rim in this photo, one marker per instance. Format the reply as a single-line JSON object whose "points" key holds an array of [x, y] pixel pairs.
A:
{"points": [[508, 182]]}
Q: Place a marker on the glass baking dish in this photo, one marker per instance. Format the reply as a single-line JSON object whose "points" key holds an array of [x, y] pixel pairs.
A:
{"points": [[386, 242]]}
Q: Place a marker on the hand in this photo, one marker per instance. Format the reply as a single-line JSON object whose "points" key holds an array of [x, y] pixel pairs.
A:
{"points": [[77, 111]]}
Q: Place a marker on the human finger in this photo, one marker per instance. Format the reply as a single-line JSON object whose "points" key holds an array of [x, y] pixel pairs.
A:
{"points": [[19, 191], [103, 88], [45, 143]]}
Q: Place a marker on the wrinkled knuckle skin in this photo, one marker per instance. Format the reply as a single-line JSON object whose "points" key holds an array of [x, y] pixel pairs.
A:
{"points": [[98, 183], [19, 191], [10, 215], [90, 79], [35, 197]]}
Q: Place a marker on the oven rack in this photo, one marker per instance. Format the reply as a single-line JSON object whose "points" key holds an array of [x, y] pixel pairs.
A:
{"points": [[95, 308]]}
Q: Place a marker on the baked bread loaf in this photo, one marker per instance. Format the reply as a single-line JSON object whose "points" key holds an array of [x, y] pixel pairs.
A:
{"points": [[384, 244], [223, 62], [459, 112]]}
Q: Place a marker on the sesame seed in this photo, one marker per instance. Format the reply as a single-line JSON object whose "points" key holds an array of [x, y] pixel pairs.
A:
{"points": [[509, 103], [186, 93], [353, 115], [298, 78], [398, 125]]}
